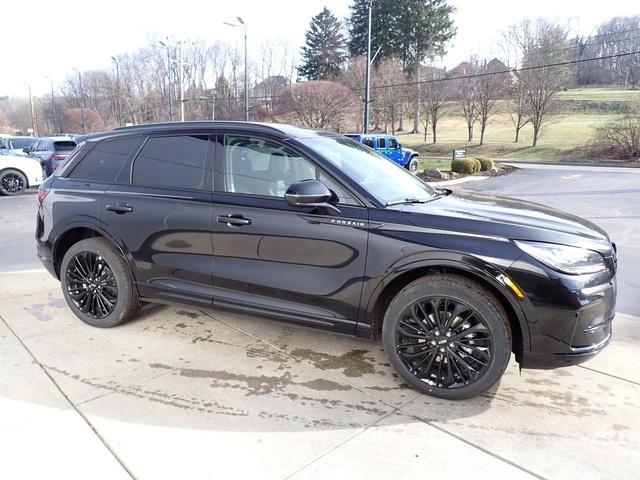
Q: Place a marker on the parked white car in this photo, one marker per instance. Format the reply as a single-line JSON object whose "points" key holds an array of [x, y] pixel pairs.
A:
{"points": [[18, 173]]}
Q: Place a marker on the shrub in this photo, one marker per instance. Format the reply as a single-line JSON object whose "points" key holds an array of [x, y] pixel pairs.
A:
{"points": [[486, 163], [620, 139], [465, 165]]}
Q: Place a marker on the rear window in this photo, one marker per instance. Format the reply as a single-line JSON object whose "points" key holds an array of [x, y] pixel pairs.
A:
{"points": [[105, 160], [64, 145], [20, 143], [381, 143]]}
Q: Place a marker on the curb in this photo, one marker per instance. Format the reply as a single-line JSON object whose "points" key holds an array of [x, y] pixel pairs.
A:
{"points": [[458, 181]]}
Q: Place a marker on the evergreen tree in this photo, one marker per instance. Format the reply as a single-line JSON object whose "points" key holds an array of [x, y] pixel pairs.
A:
{"points": [[409, 30], [325, 48]]}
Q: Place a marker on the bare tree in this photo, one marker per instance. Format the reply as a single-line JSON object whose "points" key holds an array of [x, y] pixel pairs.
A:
{"points": [[537, 42], [518, 106], [490, 87], [468, 97], [433, 100], [320, 104]]}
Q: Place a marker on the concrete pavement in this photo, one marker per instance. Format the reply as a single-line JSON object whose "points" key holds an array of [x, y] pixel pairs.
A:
{"points": [[185, 393]]}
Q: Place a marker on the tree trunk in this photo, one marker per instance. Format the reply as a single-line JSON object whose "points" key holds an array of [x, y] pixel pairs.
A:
{"points": [[433, 129], [425, 135], [470, 131], [401, 122], [536, 129], [517, 135]]}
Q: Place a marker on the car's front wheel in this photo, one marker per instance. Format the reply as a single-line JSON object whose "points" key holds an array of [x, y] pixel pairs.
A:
{"points": [[447, 336], [413, 165], [97, 283], [12, 182]]}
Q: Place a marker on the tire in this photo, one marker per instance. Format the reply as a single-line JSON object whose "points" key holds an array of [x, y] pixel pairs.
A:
{"points": [[413, 165], [418, 311], [97, 284], [12, 182]]}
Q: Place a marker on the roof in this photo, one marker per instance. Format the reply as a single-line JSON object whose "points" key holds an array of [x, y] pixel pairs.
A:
{"points": [[279, 129]]}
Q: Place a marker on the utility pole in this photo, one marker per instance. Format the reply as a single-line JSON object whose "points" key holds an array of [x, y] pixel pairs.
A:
{"points": [[181, 86], [119, 104], [170, 90], [367, 81], [246, 72], [33, 115], [81, 100]]}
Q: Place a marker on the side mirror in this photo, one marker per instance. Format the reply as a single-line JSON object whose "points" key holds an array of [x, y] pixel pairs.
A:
{"points": [[310, 193], [25, 150]]}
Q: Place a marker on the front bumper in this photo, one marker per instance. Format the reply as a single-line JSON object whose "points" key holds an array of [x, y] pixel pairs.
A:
{"points": [[569, 317]]}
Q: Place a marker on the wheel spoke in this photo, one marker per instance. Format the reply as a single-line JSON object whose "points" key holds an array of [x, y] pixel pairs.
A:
{"points": [[91, 285], [444, 342]]}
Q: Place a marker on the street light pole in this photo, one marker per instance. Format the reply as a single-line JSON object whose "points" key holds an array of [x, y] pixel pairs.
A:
{"points": [[246, 72], [53, 105], [367, 86], [81, 100], [119, 104], [33, 116]]}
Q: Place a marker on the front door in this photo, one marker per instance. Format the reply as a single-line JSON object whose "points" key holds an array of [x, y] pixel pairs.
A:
{"points": [[272, 258], [160, 212]]}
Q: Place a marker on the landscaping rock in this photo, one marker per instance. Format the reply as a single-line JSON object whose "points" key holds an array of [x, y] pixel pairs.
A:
{"points": [[433, 173]]}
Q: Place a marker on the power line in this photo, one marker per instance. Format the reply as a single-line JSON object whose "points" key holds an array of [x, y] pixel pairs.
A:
{"points": [[502, 72]]}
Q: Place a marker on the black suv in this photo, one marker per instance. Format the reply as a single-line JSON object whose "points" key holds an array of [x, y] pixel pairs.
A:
{"points": [[313, 228]]}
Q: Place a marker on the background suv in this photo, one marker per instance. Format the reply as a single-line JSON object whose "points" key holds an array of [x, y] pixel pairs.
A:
{"points": [[314, 228], [390, 147], [51, 152]]}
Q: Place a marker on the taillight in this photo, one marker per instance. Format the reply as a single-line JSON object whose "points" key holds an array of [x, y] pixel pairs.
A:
{"points": [[42, 193], [58, 156]]}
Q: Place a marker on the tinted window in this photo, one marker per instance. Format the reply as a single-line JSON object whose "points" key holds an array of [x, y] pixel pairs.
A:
{"points": [[105, 160], [176, 162], [381, 143], [20, 143], [259, 167], [393, 143], [368, 142], [64, 145]]}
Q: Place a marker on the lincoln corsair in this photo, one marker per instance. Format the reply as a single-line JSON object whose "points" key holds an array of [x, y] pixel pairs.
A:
{"points": [[314, 228]]}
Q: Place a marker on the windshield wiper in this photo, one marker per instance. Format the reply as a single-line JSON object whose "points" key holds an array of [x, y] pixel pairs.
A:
{"points": [[400, 201]]}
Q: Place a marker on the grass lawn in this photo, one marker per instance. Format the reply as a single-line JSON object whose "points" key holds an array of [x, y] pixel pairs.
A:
{"points": [[600, 94], [560, 139]]}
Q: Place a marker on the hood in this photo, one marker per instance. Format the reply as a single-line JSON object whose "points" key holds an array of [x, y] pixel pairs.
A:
{"points": [[505, 217], [408, 150]]}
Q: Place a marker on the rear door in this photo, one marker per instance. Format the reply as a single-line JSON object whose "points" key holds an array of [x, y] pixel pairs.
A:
{"points": [[270, 257], [159, 210]]}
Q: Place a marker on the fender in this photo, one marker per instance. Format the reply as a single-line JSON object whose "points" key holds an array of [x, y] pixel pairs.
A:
{"points": [[91, 223], [473, 266]]}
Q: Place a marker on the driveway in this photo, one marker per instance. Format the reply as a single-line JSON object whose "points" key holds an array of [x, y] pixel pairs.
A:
{"points": [[185, 393]]}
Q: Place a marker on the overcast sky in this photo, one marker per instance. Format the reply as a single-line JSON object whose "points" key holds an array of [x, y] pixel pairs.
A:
{"points": [[43, 38]]}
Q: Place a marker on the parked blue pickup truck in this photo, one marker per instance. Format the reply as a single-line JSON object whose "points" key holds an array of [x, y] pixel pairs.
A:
{"points": [[388, 146]]}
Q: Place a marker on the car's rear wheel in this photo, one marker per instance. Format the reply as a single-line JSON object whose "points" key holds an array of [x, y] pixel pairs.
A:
{"points": [[447, 336], [12, 182], [97, 283], [413, 165]]}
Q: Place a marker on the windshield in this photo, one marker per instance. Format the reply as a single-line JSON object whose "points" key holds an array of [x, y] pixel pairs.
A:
{"points": [[381, 177], [20, 143]]}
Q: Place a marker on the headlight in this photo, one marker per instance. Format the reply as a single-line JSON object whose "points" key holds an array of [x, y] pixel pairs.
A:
{"points": [[566, 259]]}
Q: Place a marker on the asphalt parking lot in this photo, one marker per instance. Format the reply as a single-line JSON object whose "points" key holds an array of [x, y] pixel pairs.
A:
{"points": [[183, 393]]}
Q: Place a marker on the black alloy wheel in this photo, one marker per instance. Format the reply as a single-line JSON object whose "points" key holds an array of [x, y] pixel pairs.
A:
{"points": [[12, 182], [91, 285], [444, 342], [447, 336], [97, 283]]}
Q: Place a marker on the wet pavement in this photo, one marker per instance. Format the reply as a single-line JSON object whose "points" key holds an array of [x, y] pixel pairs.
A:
{"points": [[186, 393]]}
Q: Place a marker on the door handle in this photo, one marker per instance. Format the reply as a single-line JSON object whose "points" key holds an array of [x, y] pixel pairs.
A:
{"points": [[120, 208], [236, 220]]}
